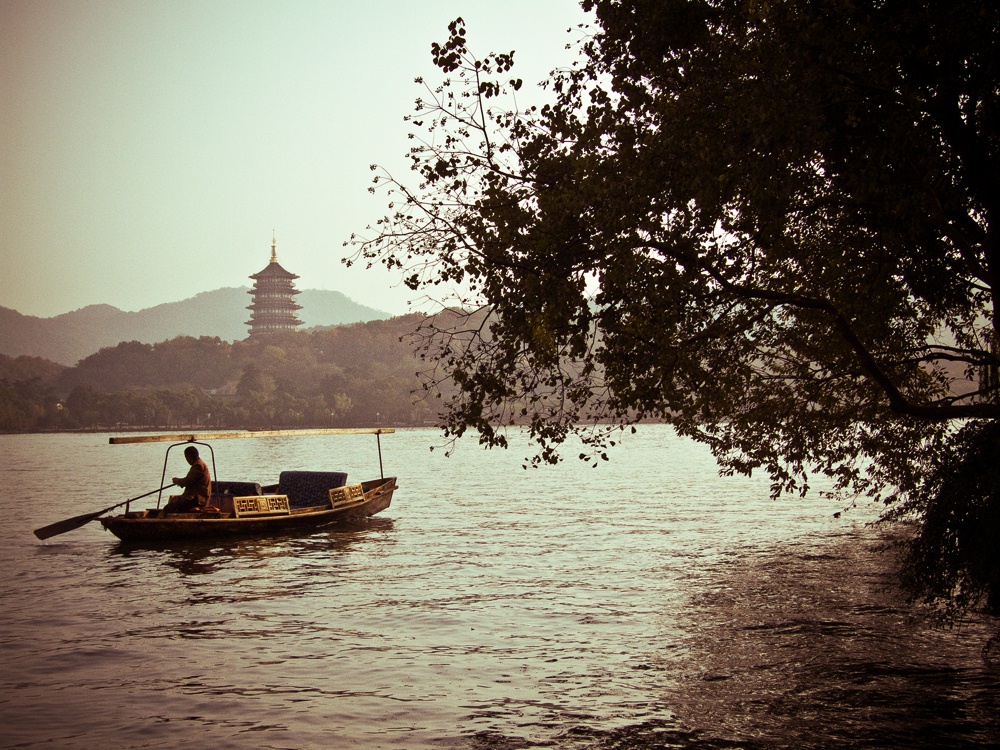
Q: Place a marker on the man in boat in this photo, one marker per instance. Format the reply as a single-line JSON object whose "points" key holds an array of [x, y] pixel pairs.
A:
{"points": [[197, 485]]}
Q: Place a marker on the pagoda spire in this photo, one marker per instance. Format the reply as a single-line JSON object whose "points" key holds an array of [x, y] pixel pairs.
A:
{"points": [[274, 248]]}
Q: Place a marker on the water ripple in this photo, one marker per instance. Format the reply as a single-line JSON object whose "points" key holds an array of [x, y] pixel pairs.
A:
{"points": [[488, 608]]}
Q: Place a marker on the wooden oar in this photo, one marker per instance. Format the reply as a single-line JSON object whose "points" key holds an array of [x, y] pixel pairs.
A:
{"points": [[61, 527]]}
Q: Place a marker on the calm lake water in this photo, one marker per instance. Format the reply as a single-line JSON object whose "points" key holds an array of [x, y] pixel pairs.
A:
{"points": [[647, 603]]}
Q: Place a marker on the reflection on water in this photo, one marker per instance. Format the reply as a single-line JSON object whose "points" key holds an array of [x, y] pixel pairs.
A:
{"points": [[200, 557], [818, 650], [489, 607]]}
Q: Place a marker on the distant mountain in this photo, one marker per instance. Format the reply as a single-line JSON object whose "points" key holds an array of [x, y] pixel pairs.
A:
{"points": [[72, 336]]}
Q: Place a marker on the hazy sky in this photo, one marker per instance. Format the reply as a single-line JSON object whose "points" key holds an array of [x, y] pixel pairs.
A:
{"points": [[149, 148]]}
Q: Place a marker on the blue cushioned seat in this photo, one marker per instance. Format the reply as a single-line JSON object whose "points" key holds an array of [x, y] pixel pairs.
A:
{"points": [[309, 488]]}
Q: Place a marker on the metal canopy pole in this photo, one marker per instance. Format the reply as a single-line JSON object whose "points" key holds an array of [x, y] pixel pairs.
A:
{"points": [[166, 458]]}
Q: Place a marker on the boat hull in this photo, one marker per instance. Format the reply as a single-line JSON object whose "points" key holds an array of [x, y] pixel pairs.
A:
{"points": [[135, 527]]}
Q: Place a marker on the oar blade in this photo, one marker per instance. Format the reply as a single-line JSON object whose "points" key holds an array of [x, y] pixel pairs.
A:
{"points": [[61, 527]]}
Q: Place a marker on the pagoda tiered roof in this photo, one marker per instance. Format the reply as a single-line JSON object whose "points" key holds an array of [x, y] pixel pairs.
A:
{"points": [[273, 309]]}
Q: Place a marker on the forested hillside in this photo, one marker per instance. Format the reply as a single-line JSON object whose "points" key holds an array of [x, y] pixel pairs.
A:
{"points": [[356, 375]]}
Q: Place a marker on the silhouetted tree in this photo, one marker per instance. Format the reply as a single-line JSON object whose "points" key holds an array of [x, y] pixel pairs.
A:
{"points": [[773, 225]]}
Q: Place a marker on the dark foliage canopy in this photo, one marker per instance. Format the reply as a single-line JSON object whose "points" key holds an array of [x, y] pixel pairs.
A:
{"points": [[772, 224]]}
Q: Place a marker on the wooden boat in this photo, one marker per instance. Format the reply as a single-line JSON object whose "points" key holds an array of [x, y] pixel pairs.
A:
{"points": [[301, 502], [258, 515]]}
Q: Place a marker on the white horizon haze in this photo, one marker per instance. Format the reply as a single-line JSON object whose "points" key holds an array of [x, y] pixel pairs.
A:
{"points": [[149, 150]]}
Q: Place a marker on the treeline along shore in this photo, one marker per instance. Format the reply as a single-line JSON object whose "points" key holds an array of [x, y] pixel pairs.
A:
{"points": [[344, 376]]}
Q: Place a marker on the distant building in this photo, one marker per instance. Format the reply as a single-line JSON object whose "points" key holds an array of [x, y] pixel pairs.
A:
{"points": [[274, 308]]}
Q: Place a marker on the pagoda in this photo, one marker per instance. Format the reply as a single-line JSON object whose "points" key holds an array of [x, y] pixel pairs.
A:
{"points": [[274, 308]]}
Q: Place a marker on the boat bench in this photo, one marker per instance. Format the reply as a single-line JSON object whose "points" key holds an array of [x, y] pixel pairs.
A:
{"points": [[306, 489]]}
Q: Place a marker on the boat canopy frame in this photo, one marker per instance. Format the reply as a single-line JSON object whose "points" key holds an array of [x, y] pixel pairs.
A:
{"points": [[187, 439], [166, 458]]}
